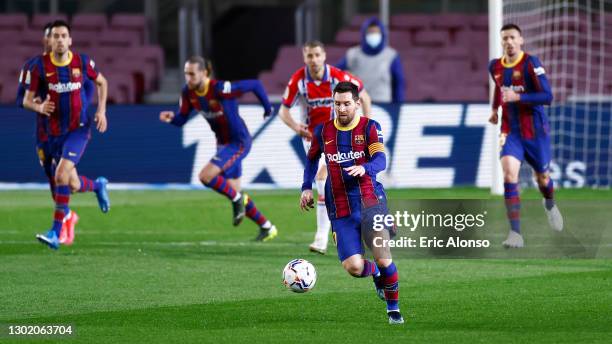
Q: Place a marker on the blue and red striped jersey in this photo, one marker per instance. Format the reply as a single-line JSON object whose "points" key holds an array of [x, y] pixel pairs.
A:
{"points": [[64, 83], [360, 143], [42, 121], [527, 77], [217, 103]]}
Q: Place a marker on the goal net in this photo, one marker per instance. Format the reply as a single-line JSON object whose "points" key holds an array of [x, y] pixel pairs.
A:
{"points": [[573, 39]]}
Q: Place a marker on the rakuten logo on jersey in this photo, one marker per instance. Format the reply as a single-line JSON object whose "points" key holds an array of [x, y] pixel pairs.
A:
{"points": [[65, 87], [344, 157]]}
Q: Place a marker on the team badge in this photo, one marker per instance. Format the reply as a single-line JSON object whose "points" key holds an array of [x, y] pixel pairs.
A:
{"points": [[76, 72], [516, 75], [359, 140]]}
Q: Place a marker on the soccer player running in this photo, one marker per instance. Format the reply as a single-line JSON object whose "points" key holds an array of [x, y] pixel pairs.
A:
{"points": [[216, 101], [353, 149], [313, 85], [60, 78], [42, 139], [521, 89]]}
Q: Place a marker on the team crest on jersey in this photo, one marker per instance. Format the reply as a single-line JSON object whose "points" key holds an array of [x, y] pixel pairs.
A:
{"points": [[359, 139], [76, 72], [516, 75]]}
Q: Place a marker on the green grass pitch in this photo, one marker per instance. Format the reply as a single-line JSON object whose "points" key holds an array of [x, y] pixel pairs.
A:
{"points": [[168, 267]]}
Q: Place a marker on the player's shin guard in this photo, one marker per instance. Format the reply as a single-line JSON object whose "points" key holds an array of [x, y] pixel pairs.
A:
{"points": [[548, 192], [62, 199], [369, 269], [252, 212], [323, 224], [391, 285], [513, 206], [88, 185], [221, 185]]}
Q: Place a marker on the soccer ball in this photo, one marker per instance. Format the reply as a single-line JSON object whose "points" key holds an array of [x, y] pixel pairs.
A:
{"points": [[299, 275]]}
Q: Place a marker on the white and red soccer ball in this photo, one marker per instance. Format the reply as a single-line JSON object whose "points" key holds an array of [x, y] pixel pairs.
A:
{"points": [[299, 275]]}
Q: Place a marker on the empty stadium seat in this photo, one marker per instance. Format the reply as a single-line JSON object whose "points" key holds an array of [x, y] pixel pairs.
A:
{"points": [[10, 66], [131, 22], [334, 53], [348, 37], [84, 39], [430, 39], [89, 22], [17, 22], [120, 88], [479, 22], [411, 22], [450, 21], [31, 38], [40, 20], [400, 39], [118, 38]]}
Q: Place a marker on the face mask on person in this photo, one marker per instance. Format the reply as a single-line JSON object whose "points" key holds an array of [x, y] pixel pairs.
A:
{"points": [[373, 39]]}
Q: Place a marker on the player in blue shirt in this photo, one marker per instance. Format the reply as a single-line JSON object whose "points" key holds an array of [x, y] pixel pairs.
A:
{"points": [[354, 153], [60, 79], [522, 90], [216, 101]]}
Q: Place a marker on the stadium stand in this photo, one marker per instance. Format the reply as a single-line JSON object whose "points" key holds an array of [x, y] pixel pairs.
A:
{"points": [[440, 54], [119, 47]]}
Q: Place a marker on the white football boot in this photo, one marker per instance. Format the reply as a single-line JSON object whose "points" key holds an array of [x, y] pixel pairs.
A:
{"points": [[555, 220], [514, 240]]}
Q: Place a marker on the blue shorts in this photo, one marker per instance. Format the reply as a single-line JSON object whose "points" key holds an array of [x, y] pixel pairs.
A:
{"points": [[229, 159], [349, 231], [536, 151], [45, 158], [70, 146]]}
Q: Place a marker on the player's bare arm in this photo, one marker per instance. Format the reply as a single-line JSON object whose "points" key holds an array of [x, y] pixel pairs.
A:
{"points": [[366, 103], [100, 116], [46, 108], [300, 128], [166, 116], [306, 200]]}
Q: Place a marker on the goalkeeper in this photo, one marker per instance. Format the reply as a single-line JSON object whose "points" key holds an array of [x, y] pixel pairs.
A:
{"points": [[522, 90]]}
